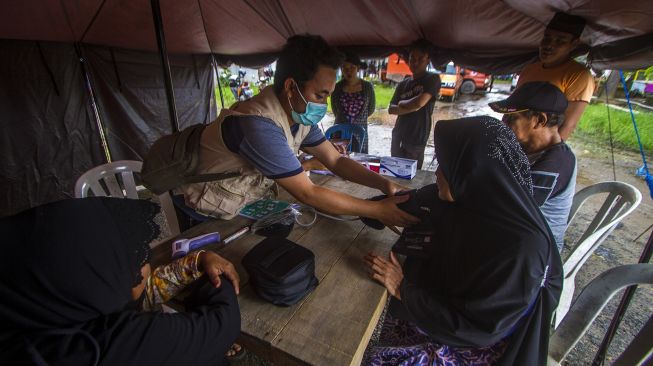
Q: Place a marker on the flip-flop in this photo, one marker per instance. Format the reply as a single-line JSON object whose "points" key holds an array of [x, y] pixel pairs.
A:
{"points": [[240, 353]]}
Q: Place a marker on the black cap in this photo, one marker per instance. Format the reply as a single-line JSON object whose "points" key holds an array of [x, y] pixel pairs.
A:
{"points": [[567, 23], [538, 96]]}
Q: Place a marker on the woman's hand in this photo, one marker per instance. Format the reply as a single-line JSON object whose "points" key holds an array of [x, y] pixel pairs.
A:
{"points": [[387, 272], [214, 266], [391, 215]]}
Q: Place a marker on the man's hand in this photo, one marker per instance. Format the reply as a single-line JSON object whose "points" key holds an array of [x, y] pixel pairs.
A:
{"points": [[214, 266], [391, 188], [387, 272], [391, 215], [340, 148]]}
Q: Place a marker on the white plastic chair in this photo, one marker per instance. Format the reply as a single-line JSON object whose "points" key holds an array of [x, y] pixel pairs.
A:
{"points": [[103, 181], [622, 199], [589, 304]]}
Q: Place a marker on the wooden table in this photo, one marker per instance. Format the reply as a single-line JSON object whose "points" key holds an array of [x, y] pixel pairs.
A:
{"points": [[333, 324]]}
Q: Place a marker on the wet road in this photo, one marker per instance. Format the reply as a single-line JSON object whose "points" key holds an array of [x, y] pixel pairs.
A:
{"points": [[381, 123]]}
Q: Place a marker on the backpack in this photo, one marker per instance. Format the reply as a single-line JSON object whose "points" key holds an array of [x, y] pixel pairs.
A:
{"points": [[173, 160]]}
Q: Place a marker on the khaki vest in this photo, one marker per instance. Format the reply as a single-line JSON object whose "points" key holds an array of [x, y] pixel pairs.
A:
{"points": [[225, 198]]}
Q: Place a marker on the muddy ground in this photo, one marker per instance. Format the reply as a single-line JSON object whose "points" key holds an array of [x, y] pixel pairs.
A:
{"points": [[594, 165]]}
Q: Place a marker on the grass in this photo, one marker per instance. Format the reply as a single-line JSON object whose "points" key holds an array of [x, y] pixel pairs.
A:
{"points": [[595, 123], [383, 95], [501, 81], [228, 96]]}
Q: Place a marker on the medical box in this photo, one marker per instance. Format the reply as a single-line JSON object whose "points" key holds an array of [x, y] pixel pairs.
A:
{"points": [[398, 167]]}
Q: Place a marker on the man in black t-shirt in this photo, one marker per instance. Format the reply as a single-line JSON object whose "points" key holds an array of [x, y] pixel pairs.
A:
{"points": [[534, 112], [413, 103]]}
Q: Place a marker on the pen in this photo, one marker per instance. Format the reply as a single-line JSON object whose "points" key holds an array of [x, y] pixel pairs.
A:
{"points": [[236, 235]]}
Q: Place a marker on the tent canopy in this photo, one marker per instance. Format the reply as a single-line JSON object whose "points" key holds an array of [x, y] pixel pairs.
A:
{"points": [[489, 35], [81, 80]]}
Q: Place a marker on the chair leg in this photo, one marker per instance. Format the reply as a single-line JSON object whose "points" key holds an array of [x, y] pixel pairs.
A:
{"points": [[565, 301]]}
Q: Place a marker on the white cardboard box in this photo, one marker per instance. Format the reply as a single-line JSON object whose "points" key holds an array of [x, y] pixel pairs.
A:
{"points": [[398, 167]]}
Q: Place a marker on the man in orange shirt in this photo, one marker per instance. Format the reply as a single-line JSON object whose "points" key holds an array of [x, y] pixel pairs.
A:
{"points": [[561, 37]]}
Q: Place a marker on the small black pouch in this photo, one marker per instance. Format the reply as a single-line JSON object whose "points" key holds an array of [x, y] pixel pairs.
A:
{"points": [[281, 271]]}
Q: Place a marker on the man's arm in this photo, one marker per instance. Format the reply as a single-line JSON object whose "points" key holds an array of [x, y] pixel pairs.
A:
{"points": [[333, 202], [572, 116], [351, 170], [410, 105]]}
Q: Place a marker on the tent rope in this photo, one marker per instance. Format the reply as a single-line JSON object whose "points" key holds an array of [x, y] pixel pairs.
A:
{"points": [[607, 106], [648, 177]]}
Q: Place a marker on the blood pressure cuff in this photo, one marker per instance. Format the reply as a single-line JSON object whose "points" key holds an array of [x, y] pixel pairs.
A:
{"points": [[420, 204], [281, 272]]}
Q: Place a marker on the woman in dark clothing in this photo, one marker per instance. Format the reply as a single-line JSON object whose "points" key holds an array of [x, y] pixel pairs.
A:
{"points": [[485, 292], [353, 98], [73, 278]]}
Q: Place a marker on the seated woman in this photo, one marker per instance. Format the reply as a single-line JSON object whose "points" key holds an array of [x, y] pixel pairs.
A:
{"points": [[485, 292], [74, 276]]}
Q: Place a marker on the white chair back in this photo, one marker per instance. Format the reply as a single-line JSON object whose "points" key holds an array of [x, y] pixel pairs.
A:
{"points": [[622, 199], [116, 179], [588, 306]]}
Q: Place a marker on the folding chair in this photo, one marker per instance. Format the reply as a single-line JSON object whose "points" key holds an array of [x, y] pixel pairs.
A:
{"points": [[589, 304], [622, 199], [346, 131], [116, 179]]}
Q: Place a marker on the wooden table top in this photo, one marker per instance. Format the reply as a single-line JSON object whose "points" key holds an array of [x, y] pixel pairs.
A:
{"points": [[333, 324]]}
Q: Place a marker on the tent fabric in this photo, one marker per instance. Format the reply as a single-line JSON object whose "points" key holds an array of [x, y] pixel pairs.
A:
{"points": [[132, 97], [48, 135], [489, 35]]}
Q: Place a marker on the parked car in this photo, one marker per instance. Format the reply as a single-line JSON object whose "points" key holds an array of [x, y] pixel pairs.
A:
{"points": [[474, 80], [450, 81]]}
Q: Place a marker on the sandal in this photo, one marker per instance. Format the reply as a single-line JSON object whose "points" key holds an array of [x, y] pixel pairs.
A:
{"points": [[236, 352]]}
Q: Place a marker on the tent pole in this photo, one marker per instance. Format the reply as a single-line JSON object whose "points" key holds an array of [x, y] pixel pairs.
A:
{"points": [[163, 52], [217, 75], [93, 100]]}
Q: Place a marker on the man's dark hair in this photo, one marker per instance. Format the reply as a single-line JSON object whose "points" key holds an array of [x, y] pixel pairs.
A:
{"points": [[301, 57], [421, 45], [552, 119]]}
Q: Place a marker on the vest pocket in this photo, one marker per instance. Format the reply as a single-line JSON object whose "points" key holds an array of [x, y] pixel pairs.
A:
{"points": [[225, 198]]}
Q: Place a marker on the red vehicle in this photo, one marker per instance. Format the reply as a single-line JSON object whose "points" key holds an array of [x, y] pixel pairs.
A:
{"points": [[397, 69], [473, 81]]}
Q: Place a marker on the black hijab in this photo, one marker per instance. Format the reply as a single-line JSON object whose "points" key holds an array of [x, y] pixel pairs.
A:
{"points": [[72, 261], [495, 272]]}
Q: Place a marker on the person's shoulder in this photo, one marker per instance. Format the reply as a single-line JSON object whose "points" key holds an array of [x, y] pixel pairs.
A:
{"points": [[560, 152], [367, 84], [252, 119], [576, 66], [432, 76], [251, 124], [532, 67], [577, 71]]}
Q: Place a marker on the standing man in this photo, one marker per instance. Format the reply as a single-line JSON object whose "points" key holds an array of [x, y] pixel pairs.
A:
{"points": [[534, 112], [413, 103], [556, 66]]}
